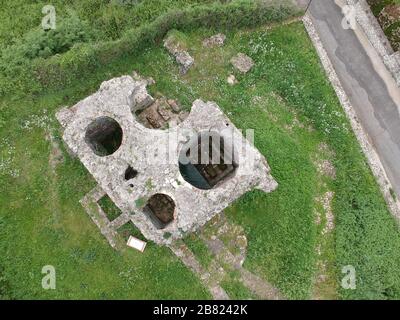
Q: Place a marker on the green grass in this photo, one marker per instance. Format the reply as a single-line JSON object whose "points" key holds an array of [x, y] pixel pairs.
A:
{"points": [[280, 226], [235, 288], [33, 62], [107, 19], [129, 229], [366, 234], [199, 249], [110, 209], [42, 222]]}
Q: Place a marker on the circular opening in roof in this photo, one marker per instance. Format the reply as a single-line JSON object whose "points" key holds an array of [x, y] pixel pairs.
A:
{"points": [[104, 136], [207, 160]]}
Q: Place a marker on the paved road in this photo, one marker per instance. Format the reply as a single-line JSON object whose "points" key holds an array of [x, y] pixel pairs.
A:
{"points": [[376, 105]]}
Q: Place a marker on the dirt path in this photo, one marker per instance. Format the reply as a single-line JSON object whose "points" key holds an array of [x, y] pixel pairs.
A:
{"points": [[211, 281], [227, 243], [56, 157]]}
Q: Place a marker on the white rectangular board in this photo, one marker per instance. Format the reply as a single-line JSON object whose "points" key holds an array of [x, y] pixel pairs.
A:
{"points": [[136, 244]]}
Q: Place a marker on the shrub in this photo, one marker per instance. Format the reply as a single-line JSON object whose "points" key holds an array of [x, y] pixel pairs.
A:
{"points": [[59, 70], [15, 62], [41, 43]]}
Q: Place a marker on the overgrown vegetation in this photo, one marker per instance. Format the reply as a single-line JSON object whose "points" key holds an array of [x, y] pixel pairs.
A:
{"points": [[388, 14], [235, 289], [366, 234], [39, 43], [81, 60], [110, 209], [128, 230], [285, 98], [108, 19], [4, 287], [199, 249]]}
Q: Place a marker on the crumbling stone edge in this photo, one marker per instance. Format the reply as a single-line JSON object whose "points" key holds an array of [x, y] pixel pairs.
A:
{"points": [[362, 137], [371, 28]]}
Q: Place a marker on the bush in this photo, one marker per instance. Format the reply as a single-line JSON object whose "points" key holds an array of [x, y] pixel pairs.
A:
{"points": [[38, 45], [59, 70], [41, 43]]}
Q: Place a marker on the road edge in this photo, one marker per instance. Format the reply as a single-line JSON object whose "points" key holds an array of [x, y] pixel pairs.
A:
{"points": [[376, 37], [362, 137]]}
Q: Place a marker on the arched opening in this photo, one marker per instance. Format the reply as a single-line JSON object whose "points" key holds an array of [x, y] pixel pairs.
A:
{"points": [[207, 160], [160, 208], [104, 136]]}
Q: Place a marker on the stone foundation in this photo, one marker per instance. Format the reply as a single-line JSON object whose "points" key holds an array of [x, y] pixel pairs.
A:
{"points": [[149, 159]]}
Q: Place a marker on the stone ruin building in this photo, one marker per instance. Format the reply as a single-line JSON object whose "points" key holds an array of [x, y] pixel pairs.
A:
{"points": [[122, 135]]}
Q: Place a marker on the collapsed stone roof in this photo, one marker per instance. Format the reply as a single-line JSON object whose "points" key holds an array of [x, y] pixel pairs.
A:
{"points": [[152, 156]]}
